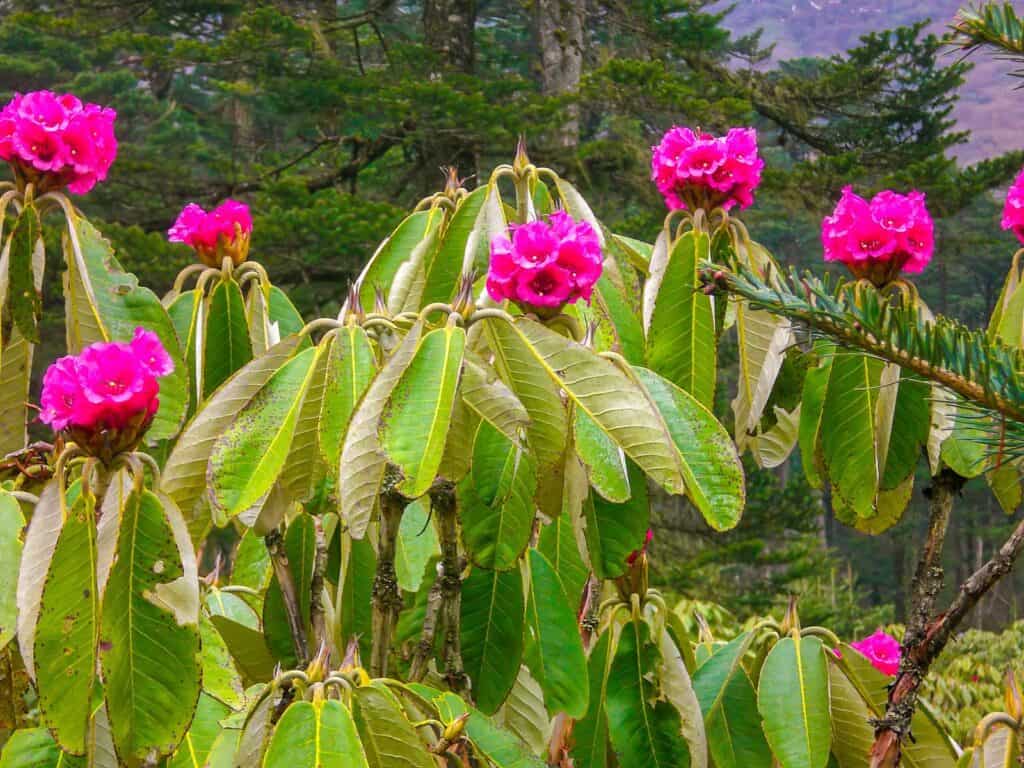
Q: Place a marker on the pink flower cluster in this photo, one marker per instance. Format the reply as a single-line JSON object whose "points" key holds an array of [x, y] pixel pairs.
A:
{"points": [[55, 140], [882, 650], [880, 238], [223, 231], [698, 170], [109, 386], [1013, 210], [546, 264]]}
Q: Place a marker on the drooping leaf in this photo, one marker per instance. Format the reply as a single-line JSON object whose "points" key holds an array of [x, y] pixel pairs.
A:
{"points": [[351, 367], [681, 328], [417, 545], [523, 713], [318, 734], [248, 648], [492, 400], [710, 465], [149, 635], [555, 656], [590, 734], [614, 530], [388, 737], [414, 426], [604, 460], [303, 467], [811, 408], [559, 545], [793, 699], [184, 475], [677, 689], [362, 459], [496, 500], [763, 341], [12, 525], [492, 618], [645, 730], [221, 679], [251, 562], [66, 631], [186, 313]]}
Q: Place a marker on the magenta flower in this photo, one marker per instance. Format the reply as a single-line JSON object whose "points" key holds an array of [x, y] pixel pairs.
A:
{"points": [[882, 650], [224, 231], [635, 554], [106, 397], [877, 240], [55, 141], [546, 264], [1013, 209], [703, 171]]}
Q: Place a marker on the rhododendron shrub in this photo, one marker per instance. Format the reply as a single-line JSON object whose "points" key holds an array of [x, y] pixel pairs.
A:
{"points": [[877, 240], [697, 170], [55, 141], [545, 264], [223, 231]]}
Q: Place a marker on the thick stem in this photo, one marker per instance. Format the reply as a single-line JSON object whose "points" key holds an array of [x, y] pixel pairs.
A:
{"points": [[317, 609], [891, 729], [425, 646], [443, 500], [387, 599], [274, 542]]}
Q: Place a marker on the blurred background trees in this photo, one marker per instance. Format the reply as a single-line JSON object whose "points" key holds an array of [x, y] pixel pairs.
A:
{"points": [[332, 118]]}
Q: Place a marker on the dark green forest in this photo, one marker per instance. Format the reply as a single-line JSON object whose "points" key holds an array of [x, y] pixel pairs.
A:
{"points": [[333, 120]]}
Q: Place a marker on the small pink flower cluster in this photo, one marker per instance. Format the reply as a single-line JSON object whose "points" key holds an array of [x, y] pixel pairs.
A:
{"points": [[878, 239], [1013, 210], [224, 231], [546, 264], [109, 386], [698, 170], [881, 650], [55, 140]]}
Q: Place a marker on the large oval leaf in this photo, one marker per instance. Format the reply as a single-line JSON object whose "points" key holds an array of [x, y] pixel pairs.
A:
{"points": [[492, 400], [681, 340], [226, 343], [149, 635], [793, 699], [496, 500], [559, 544], [15, 366], [12, 525], [645, 730], [362, 462], [491, 630], [414, 427], [416, 546], [318, 734], [350, 369], [590, 734], [763, 340], [388, 738], [555, 653], [711, 466]]}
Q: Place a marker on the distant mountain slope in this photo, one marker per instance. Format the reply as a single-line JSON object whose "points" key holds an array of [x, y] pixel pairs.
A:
{"points": [[989, 106]]}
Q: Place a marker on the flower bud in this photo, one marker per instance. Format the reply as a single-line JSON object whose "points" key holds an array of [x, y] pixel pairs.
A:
{"points": [[224, 231]]}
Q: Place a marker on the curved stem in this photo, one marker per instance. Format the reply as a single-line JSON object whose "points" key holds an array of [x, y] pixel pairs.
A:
{"points": [[185, 274]]}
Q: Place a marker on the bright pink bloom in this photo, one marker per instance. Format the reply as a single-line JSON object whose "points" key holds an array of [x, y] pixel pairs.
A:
{"points": [[880, 238], [705, 171], [109, 387], [224, 231], [881, 650], [546, 264], [1013, 210], [55, 141]]}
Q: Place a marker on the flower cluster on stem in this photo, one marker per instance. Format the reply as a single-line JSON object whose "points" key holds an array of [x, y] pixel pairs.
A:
{"points": [[224, 231], [697, 170]]}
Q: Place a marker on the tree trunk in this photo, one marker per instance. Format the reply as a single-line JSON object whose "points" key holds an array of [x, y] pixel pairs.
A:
{"points": [[448, 29], [559, 30]]}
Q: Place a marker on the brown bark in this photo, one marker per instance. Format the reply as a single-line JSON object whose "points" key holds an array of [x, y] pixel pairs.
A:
{"points": [[448, 30], [387, 598], [442, 498], [274, 543], [559, 29]]}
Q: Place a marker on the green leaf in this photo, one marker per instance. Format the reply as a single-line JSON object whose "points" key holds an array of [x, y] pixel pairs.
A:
{"points": [[590, 734], [613, 399], [149, 635], [257, 319], [251, 562], [223, 749], [185, 313], [15, 379], [645, 730], [351, 367], [35, 748], [559, 545], [793, 699], [627, 323], [221, 679], [318, 734], [523, 713], [763, 340], [104, 303], [226, 343], [729, 704], [556, 655], [604, 460], [615, 530], [496, 500], [12, 525], [397, 249], [247, 458], [231, 606], [711, 467], [66, 630], [417, 545], [492, 619], [911, 422], [24, 300], [258, 730], [247, 647], [300, 547], [304, 467], [184, 477], [811, 408], [362, 463], [677, 688], [204, 730], [357, 595], [492, 400], [414, 427], [284, 317], [388, 737], [679, 319]]}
